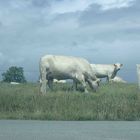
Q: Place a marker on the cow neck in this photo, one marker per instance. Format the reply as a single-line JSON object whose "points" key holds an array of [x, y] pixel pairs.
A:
{"points": [[114, 72]]}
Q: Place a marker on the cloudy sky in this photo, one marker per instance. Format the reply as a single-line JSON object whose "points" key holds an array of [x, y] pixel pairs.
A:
{"points": [[102, 31]]}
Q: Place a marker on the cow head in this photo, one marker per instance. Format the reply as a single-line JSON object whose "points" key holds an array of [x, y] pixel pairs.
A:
{"points": [[94, 84], [118, 66]]}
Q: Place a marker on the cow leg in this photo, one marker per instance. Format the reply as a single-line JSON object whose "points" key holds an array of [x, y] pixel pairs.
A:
{"points": [[107, 79], [49, 77], [74, 85], [81, 79], [85, 87], [50, 84], [43, 82]]}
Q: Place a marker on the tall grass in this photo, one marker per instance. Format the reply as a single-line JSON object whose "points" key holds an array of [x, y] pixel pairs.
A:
{"points": [[110, 102]]}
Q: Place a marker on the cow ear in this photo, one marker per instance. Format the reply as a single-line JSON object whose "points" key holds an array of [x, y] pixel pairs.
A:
{"points": [[121, 65], [115, 66]]}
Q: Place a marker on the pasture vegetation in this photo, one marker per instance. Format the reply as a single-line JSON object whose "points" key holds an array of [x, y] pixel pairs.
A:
{"points": [[110, 102]]}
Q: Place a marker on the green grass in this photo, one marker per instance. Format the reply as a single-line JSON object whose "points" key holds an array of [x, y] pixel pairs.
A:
{"points": [[110, 102]]}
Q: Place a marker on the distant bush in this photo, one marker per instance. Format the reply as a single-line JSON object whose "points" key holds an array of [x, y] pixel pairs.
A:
{"points": [[14, 74]]}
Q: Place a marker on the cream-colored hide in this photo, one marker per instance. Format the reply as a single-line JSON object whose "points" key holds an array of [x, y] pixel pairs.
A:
{"points": [[118, 79], [108, 71], [66, 67], [59, 81]]}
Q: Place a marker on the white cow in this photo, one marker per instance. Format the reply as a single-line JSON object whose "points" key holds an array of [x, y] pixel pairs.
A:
{"points": [[108, 71], [14, 83], [66, 67], [59, 81], [118, 79]]}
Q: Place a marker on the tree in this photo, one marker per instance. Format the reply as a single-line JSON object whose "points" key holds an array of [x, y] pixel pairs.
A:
{"points": [[14, 74]]}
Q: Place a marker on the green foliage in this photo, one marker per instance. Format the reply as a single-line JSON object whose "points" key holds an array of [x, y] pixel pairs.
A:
{"points": [[14, 74], [110, 102]]}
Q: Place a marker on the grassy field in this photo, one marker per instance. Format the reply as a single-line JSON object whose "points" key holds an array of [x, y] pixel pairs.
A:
{"points": [[110, 102]]}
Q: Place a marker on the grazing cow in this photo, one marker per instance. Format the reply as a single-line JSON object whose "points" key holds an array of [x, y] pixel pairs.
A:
{"points": [[66, 67], [118, 79], [108, 71]]}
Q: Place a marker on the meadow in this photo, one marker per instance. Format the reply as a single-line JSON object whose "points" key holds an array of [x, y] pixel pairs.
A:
{"points": [[111, 102]]}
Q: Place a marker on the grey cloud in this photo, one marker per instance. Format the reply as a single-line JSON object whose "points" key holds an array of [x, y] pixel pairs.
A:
{"points": [[132, 30], [101, 37], [94, 14], [1, 24], [110, 25], [41, 3], [5, 2]]}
